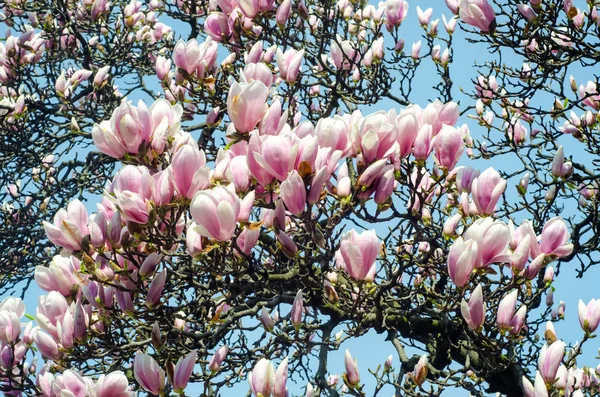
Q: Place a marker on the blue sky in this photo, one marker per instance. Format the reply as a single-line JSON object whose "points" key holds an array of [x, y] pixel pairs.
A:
{"points": [[371, 350]]}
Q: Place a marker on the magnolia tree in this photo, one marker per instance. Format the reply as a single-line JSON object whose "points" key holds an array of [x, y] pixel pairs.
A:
{"points": [[253, 216]]}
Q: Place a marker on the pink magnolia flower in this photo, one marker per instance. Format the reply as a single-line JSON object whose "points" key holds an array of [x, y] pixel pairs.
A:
{"points": [[58, 276], [70, 383], [216, 212], [535, 266], [261, 72], [148, 374], [80, 321], [555, 237], [407, 125], [217, 26], [134, 179], [215, 362], [352, 375], [516, 130], [388, 362], [449, 24], [527, 11], [528, 387], [46, 345], [246, 205], [193, 240], [262, 378], [589, 94], [478, 13], [589, 315], [520, 255], [155, 288], [395, 11], [289, 64], [101, 76], [249, 7], [561, 169], [415, 49], [98, 7], [189, 171], [550, 359], [492, 239], [255, 54], [524, 183], [247, 240], [183, 371], [344, 185], [134, 207], [344, 54], [114, 384], [98, 229], [424, 16], [198, 60], [308, 151], [164, 188], [266, 320], [227, 6], [70, 226], [125, 133], [539, 388], [132, 127], [293, 193], [506, 317], [474, 311], [461, 260], [185, 55], [297, 310], [518, 321], [420, 372], [376, 137], [272, 156], [451, 225], [449, 146], [385, 186], [238, 173], [562, 307], [316, 185], [283, 12], [453, 5], [357, 254], [487, 189], [279, 389], [333, 133], [549, 274], [162, 67], [465, 175], [246, 104], [523, 232], [422, 146], [10, 326], [79, 76]]}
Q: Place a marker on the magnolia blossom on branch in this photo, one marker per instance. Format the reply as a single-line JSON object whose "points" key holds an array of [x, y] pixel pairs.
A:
{"points": [[253, 216]]}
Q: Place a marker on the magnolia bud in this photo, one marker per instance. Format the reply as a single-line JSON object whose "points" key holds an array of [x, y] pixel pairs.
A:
{"points": [[549, 297], [388, 362], [156, 337], [215, 362], [560, 312], [352, 376], [266, 319], [297, 309]]}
